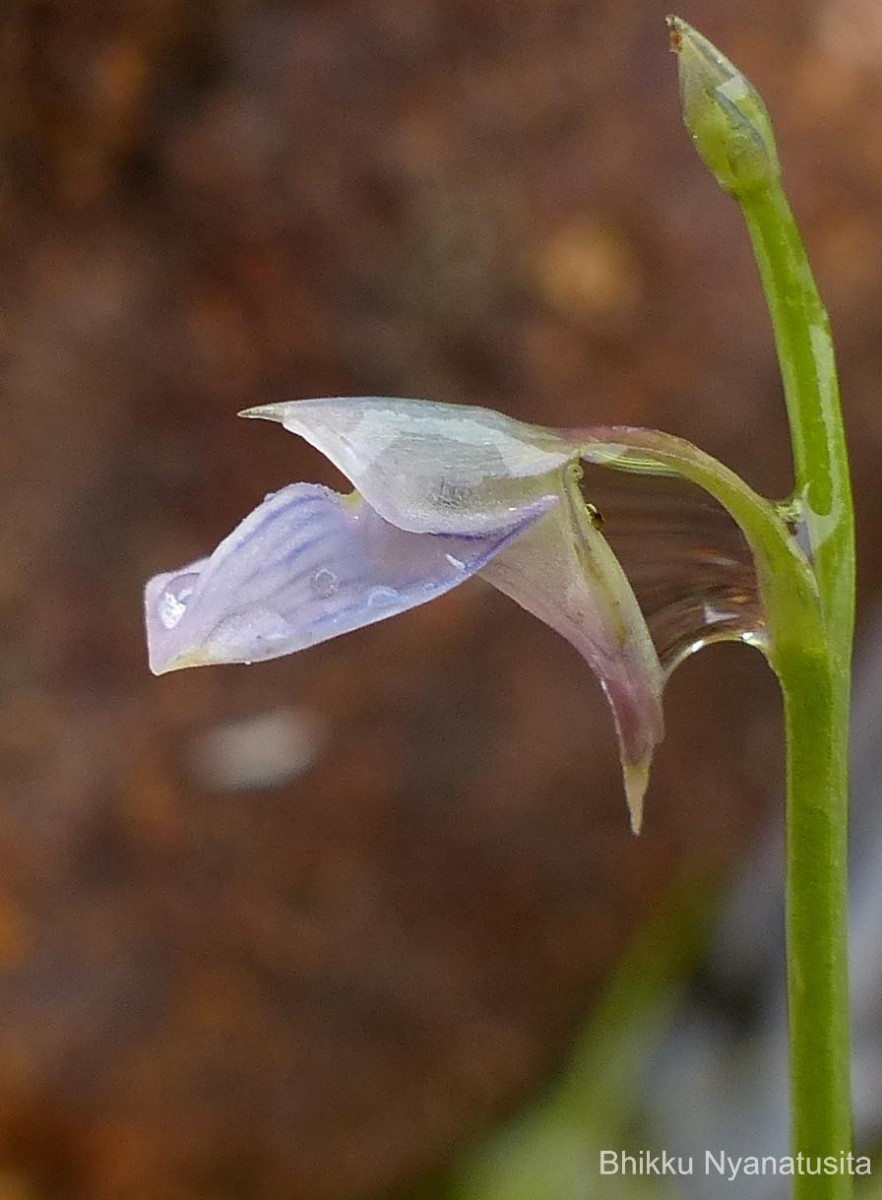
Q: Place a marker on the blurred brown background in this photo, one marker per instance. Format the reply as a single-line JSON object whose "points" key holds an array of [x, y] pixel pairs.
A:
{"points": [[296, 931]]}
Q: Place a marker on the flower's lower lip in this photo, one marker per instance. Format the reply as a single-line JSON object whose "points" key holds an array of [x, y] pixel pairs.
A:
{"points": [[307, 565]]}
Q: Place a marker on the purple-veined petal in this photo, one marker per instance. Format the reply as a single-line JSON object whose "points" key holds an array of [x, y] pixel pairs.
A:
{"points": [[563, 571], [306, 565], [430, 467]]}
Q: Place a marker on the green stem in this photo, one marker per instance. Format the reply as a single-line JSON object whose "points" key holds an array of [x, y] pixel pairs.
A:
{"points": [[811, 392], [816, 689], [816, 917], [733, 134]]}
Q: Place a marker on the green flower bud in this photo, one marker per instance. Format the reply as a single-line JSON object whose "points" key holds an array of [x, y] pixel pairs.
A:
{"points": [[724, 115]]}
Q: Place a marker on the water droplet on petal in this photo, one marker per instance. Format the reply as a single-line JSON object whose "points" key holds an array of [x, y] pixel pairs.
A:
{"points": [[254, 633], [172, 603], [324, 583], [171, 609], [382, 597], [455, 562]]}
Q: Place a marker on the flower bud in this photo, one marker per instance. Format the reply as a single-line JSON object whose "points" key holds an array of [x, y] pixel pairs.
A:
{"points": [[724, 115]]}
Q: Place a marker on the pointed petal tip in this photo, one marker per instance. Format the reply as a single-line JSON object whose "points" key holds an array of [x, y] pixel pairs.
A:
{"points": [[179, 662], [636, 783], [265, 412], [159, 669]]}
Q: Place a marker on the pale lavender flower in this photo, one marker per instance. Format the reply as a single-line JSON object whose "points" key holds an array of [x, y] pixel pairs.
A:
{"points": [[443, 492]]}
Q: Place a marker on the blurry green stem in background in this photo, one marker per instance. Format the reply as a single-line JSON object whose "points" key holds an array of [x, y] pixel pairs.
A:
{"points": [[733, 134], [553, 1149]]}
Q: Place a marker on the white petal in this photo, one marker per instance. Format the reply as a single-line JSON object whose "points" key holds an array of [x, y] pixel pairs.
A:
{"points": [[429, 467]]}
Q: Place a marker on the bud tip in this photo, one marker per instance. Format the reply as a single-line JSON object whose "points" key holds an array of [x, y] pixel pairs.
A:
{"points": [[675, 25]]}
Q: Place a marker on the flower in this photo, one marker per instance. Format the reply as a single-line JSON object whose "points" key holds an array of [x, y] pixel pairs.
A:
{"points": [[442, 492]]}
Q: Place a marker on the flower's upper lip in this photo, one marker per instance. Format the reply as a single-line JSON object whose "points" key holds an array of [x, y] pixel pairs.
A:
{"points": [[429, 467]]}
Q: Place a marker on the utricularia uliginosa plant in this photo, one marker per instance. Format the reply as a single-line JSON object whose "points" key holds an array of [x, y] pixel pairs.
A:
{"points": [[444, 492]]}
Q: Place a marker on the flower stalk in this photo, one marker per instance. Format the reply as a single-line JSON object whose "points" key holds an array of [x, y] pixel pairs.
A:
{"points": [[731, 128]]}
